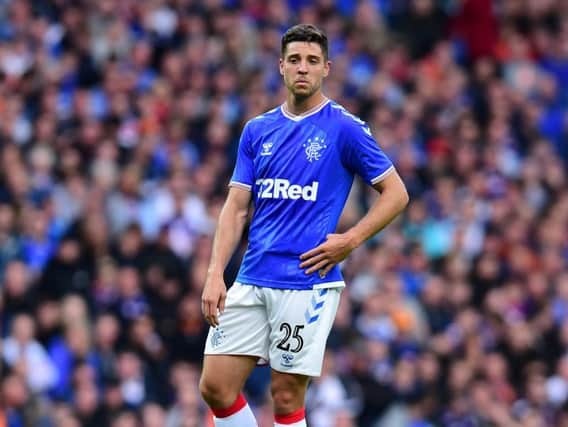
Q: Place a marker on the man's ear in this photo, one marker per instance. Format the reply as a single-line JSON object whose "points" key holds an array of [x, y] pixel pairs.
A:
{"points": [[326, 68], [281, 66]]}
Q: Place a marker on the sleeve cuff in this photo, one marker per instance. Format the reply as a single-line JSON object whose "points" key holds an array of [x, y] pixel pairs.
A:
{"points": [[382, 176], [240, 185]]}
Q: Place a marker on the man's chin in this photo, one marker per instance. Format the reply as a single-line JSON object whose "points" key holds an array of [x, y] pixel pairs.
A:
{"points": [[302, 93]]}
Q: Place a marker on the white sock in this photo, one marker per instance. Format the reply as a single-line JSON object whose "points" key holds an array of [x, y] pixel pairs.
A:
{"points": [[301, 423], [235, 417]]}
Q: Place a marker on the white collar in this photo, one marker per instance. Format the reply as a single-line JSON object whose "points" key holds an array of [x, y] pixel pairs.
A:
{"points": [[298, 117]]}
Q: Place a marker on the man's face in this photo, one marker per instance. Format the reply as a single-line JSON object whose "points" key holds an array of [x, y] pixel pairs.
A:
{"points": [[303, 68]]}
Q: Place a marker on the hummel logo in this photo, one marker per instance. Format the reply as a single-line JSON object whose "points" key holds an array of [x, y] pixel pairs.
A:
{"points": [[266, 149], [286, 359]]}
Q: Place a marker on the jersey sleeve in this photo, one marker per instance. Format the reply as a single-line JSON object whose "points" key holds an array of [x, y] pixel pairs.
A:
{"points": [[243, 174], [361, 153]]}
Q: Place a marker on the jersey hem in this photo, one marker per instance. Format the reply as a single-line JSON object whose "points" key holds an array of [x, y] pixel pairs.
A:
{"points": [[289, 286]]}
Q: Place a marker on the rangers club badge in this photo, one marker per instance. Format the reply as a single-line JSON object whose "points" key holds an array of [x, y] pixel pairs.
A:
{"points": [[314, 147]]}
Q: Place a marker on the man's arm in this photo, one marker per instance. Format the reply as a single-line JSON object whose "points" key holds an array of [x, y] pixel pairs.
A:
{"points": [[337, 247], [228, 234]]}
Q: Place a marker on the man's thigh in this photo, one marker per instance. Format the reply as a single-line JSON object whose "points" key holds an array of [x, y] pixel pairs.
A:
{"points": [[243, 328], [300, 322], [226, 371]]}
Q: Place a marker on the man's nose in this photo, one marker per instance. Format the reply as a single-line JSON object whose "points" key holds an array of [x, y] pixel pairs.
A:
{"points": [[303, 67]]}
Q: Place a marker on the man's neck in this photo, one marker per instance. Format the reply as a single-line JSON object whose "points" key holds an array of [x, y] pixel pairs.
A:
{"points": [[299, 107]]}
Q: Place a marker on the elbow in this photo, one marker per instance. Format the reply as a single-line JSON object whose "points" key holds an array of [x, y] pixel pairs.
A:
{"points": [[396, 190], [404, 199], [242, 216]]}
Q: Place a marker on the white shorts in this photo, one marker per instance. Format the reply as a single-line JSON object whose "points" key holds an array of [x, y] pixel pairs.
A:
{"points": [[283, 327]]}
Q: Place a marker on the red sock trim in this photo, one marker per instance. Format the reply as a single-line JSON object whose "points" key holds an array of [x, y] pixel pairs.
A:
{"points": [[292, 418], [239, 404]]}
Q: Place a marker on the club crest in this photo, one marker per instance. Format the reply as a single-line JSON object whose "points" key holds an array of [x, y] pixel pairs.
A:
{"points": [[314, 147], [217, 338]]}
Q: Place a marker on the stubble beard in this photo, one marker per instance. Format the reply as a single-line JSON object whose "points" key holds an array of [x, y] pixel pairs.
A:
{"points": [[302, 95]]}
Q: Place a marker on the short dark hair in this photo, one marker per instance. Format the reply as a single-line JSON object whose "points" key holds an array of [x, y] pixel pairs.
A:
{"points": [[305, 33]]}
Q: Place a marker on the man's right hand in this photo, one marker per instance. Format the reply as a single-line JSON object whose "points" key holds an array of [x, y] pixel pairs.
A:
{"points": [[213, 299]]}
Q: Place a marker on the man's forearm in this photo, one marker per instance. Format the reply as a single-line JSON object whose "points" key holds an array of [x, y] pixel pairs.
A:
{"points": [[227, 236], [386, 208]]}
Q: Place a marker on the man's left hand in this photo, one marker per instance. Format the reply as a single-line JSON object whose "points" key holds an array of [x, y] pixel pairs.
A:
{"points": [[325, 256]]}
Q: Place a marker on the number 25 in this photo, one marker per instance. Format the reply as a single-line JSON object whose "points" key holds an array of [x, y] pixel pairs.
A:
{"points": [[284, 344]]}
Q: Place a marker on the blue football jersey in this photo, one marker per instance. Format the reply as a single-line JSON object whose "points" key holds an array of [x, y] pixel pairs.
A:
{"points": [[300, 170]]}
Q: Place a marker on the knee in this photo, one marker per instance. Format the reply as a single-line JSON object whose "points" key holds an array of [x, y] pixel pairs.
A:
{"points": [[287, 397], [216, 394], [208, 389], [283, 399]]}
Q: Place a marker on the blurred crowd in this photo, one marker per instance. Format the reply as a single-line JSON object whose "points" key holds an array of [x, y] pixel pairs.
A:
{"points": [[119, 123]]}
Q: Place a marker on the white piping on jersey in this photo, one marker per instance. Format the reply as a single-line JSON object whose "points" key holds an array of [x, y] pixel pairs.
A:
{"points": [[308, 113], [353, 117], [382, 176], [348, 114], [338, 284], [368, 132], [240, 185], [261, 116]]}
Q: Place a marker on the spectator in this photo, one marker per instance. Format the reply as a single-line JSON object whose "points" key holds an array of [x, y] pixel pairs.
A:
{"points": [[119, 125], [327, 395], [22, 353], [18, 290], [19, 406]]}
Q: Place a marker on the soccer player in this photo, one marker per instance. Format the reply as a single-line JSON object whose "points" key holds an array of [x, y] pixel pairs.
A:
{"points": [[297, 163]]}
